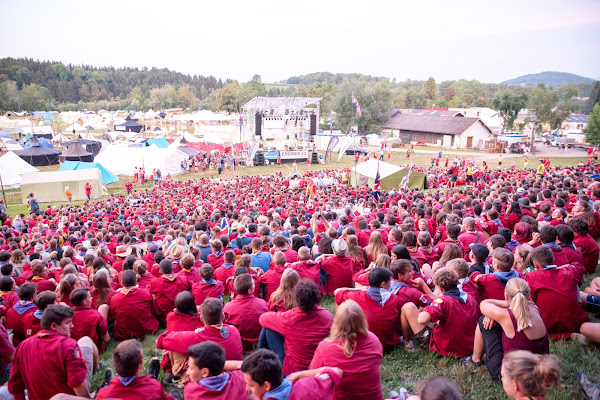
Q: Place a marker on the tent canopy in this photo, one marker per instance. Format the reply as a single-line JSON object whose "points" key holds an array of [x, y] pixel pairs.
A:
{"points": [[12, 167], [161, 143], [37, 156], [50, 186], [129, 126], [38, 141], [390, 175], [10, 144], [76, 152], [122, 160], [107, 176]]}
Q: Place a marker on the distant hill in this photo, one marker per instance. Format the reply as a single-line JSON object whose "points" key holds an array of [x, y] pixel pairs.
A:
{"points": [[550, 78]]}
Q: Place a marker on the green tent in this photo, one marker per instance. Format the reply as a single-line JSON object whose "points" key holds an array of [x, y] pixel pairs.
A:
{"points": [[107, 176], [390, 175]]}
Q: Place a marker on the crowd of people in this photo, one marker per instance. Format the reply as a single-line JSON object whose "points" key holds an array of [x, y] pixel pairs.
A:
{"points": [[232, 274]]}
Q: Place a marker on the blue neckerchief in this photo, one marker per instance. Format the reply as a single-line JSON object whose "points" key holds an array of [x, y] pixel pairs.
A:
{"points": [[570, 245], [381, 296], [126, 381], [461, 282], [485, 267], [38, 314], [281, 392], [457, 294], [504, 276], [216, 383], [218, 254], [210, 281], [512, 244], [546, 218], [21, 308], [497, 221], [227, 265], [396, 286], [549, 267], [553, 245]]}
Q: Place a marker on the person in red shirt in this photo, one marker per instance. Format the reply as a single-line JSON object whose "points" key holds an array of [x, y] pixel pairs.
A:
{"points": [[457, 315], [402, 285], [216, 257], [564, 238], [424, 241], [381, 307], [586, 244], [165, 289], [132, 307], [207, 287], [188, 269], [295, 334], [39, 276], [469, 236], [185, 317], [8, 296], [338, 266], [355, 350], [7, 352], [461, 269], [245, 310], [280, 243], [128, 360], [555, 291], [264, 377], [214, 329], [15, 316], [492, 286], [31, 321], [87, 321], [548, 239], [226, 268], [270, 281], [211, 376], [35, 367]]}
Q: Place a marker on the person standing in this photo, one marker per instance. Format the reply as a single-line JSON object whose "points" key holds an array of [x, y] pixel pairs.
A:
{"points": [[34, 206], [88, 191], [500, 160]]}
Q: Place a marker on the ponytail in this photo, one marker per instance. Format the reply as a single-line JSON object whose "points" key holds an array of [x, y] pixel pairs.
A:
{"points": [[517, 293], [536, 373]]}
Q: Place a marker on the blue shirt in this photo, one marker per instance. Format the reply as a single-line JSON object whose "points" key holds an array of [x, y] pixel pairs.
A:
{"points": [[261, 260]]}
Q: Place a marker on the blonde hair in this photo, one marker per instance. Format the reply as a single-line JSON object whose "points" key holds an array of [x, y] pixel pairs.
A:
{"points": [[285, 291], [535, 373], [349, 321], [383, 261], [375, 246], [517, 293]]}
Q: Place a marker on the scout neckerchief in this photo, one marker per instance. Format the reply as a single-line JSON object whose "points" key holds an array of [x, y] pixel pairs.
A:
{"points": [[457, 294], [504, 276], [380, 295], [281, 392], [216, 383]]}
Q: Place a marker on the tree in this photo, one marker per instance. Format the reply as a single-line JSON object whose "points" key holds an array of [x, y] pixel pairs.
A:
{"points": [[508, 105], [430, 89], [450, 93], [185, 97], [542, 102], [9, 96], [32, 97], [592, 130]]}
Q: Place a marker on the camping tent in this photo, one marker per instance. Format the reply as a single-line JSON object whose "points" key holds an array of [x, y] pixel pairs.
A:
{"points": [[122, 160], [76, 152], [38, 155], [188, 150], [129, 126], [12, 167], [390, 175], [38, 141], [161, 143], [107, 176], [91, 146], [50, 186], [9, 144]]}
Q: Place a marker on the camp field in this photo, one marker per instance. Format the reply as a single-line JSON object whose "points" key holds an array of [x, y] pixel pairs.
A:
{"points": [[418, 158]]}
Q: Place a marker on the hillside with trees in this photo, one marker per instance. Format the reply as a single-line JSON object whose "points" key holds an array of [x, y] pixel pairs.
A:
{"points": [[549, 78]]}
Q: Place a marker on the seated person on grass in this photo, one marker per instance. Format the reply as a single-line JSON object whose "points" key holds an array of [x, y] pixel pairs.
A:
{"points": [[207, 287], [454, 314], [31, 321], [491, 286], [165, 289], [15, 316], [87, 321], [465, 284]]}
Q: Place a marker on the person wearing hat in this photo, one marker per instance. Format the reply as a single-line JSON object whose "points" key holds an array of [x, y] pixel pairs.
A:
{"points": [[525, 206], [337, 267], [68, 194], [478, 256], [122, 251]]}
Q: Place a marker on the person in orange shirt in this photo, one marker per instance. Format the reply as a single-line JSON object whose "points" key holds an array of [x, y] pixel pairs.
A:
{"points": [[68, 194]]}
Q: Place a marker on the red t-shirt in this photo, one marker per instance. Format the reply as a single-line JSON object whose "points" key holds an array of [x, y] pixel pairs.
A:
{"points": [[234, 389], [590, 250], [384, 321], [203, 289], [362, 373], [8, 299], [192, 276], [271, 279], [320, 387], [226, 336], [308, 270], [302, 331], [89, 322], [132, 308], [490, 286], [141, 388], [178, 322], [244, 313], [31, 324], [339, 272], [455, 332], [47, 364], [15, 320], [164, 290]]}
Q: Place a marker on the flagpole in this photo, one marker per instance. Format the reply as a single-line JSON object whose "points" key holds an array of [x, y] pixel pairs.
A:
{"points": [[354, 145]]}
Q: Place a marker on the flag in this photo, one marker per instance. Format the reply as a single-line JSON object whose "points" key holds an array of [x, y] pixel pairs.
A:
{"points": [[376, 184], [344, 146], [357, 104], [404, 182], [224, 226], [332, 143]]}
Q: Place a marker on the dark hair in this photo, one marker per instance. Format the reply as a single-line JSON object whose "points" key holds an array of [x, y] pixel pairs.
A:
{"points": [[212, 311], [505, 233], [504, 259], [185, 303], [548, 234], [263, 366], [208, 355], [565, 233], [78, 296], [399, 267], [542, 255], [44, 299], [128, 278], [579, 226], [6, 283], [377, 276], [307, 295], [127, 357], [6, 269], [166, 266], [497, 241], [27, 291], [207, 271], [243, 283], [55, 313], [453, 230], [445, 278]]}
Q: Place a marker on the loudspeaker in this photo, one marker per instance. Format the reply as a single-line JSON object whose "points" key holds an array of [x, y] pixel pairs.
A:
{"points": [[313, 124], [314, 158], [258, 124], [259, 159]]}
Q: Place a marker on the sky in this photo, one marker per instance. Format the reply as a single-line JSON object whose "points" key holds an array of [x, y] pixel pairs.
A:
{"points": [[490, 41]]}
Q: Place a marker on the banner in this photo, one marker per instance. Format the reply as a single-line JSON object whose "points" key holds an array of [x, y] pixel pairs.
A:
{"points": [[344, 147], [252, 150], [332, 143]]}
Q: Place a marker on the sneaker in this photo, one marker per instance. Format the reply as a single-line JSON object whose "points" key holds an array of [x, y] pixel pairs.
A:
{"points": [[578, 337], [154, 367], [107, 377], [422, 338], [171, 379], [410, 347], [591, 390], [403, 395]]}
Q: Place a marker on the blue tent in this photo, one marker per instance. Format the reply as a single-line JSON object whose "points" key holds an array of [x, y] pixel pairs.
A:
{"points": [[107, 176], [161, 143], [38, 141]]}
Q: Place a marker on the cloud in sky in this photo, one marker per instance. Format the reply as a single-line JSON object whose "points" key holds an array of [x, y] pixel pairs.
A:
{"points": [[488, 41]]}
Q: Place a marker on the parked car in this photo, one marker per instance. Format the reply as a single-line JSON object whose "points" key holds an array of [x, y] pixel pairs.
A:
{"points": [[355, 150]]}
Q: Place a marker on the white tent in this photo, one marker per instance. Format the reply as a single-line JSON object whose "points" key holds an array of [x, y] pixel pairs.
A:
{"points": [[121, 160], [191, 138], [12, 168], [50, 186], [59, 137], [10, 144], [205, 116], [76, 127], [211, 138]]}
